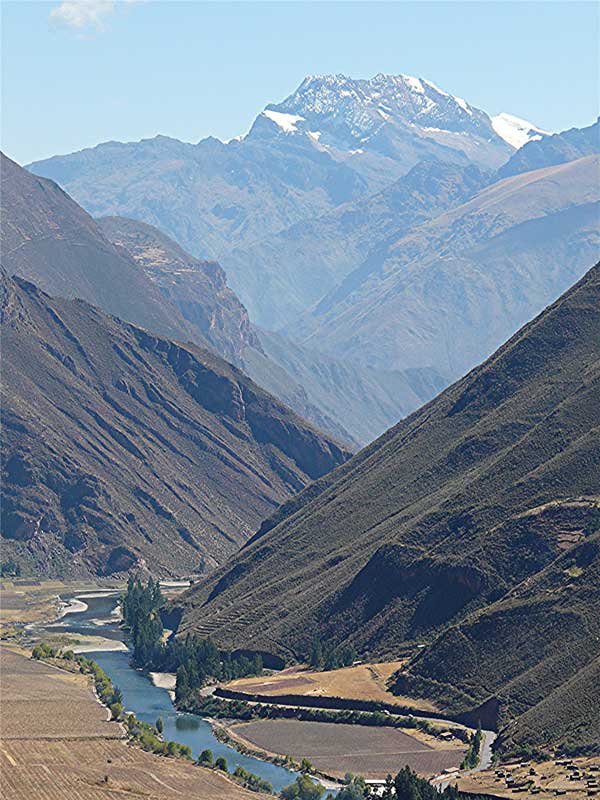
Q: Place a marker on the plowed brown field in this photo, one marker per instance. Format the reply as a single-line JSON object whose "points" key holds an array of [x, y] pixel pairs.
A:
{"points": [[56, 743], [337, 748]]}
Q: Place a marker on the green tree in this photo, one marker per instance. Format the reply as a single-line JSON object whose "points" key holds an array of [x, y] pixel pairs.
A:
{"points": [[116, 709], [316, 654], [182, 684], [354, 790], [159, 725], [172, 748], [221, 763], [206, 758], [303, 789]]}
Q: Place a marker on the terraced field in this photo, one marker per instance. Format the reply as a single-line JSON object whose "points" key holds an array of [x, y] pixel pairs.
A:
{"points": [[56, 743], [337, 748]]}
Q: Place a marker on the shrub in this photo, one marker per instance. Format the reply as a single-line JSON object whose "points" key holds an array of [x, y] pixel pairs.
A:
{"points": [[303, 789], [206, 758]]}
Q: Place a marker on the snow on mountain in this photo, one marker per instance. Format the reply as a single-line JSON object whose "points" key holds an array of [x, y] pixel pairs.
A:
{"points": [[362, 104], [516, 131], [287, 122]]}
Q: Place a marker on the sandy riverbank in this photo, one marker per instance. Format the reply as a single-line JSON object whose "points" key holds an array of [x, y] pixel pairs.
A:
{"points": [[163, 680], [98, 644], [73, 606]]}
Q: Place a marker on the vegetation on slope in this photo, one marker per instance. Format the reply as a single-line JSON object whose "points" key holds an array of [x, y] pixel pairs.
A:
{"points": [[123, 448], [474, 519]]}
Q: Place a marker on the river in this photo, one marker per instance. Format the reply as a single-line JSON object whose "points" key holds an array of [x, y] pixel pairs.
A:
{"points": [[147, 701]]}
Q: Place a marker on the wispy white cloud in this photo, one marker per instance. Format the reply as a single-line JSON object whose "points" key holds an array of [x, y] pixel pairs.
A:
{"points": [[85, 14]]}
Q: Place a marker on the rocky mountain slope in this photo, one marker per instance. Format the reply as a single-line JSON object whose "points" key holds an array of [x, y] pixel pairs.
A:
{"points": [[122, 448], [450, 291], [332, 141], [132, 270], [476, 518], [198, 289], [300, 264], [351, 402], [552, 150], [48, 239]]}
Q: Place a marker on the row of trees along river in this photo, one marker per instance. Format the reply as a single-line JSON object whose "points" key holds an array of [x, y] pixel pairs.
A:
{"points": [[194, 660]]}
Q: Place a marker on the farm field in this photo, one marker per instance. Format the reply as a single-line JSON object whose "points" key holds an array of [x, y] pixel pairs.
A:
{"points": [[40, 701], [360, 682], [64, 748], [338, 748], [548, 777]]}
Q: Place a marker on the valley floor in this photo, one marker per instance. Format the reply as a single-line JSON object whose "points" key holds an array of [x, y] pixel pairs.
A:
{"points": [[335, 749], [359, 682], [65, 748]]}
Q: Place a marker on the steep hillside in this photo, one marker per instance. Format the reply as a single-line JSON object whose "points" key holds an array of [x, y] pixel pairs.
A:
{"points": [[362, 401], [448, 293], [529, 661], [48, 239], [121, 448], [483, 503], [353, 403], [198, 289], [552, 150]]}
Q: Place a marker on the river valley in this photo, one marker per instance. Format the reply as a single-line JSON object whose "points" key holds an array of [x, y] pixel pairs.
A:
{"points": [[142, 697]]}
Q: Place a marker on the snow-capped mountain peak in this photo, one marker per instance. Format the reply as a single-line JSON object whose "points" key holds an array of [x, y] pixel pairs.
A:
{"points": [[364, 104], [516, 131], [388, 122]]}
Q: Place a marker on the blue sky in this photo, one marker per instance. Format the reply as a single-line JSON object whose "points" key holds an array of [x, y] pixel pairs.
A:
{"points": [[77, 74]]}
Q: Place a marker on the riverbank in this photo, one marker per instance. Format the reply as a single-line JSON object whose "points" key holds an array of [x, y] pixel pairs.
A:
{"points": [[51, 717]]}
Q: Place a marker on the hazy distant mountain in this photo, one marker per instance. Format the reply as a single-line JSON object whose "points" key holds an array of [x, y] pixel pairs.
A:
{"points": [[332, 141], [362, 401], [556, 149], [476, 519], [284, 274], [121, 448], [449, 292], [353, 403], [208, 196]]}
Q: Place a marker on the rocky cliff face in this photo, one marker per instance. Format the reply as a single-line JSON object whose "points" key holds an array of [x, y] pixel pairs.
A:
{"points": [[198, 289], [123, 449]]}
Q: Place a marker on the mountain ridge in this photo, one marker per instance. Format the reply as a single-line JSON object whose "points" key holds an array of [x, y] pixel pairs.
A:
{"points": [[123, 449], [409, 520]]}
